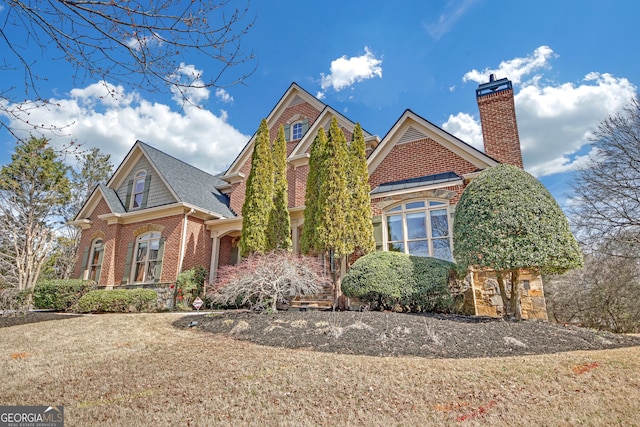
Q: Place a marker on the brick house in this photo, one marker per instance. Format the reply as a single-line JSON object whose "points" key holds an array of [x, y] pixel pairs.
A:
{"points": [[158, 216]]}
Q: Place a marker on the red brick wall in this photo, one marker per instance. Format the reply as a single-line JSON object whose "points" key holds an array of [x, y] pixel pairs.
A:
{"points": [[197, 245], [499, 127], [108, 233], [305, 110], [224, 253], [418, 158]]}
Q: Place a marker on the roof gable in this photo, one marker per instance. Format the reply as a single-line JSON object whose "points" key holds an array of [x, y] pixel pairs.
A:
{"points": [[293, 96], [186, 183], [412, 127]]}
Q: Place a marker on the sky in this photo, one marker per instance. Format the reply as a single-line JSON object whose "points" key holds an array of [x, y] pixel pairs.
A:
{"points": [[572, 64]]}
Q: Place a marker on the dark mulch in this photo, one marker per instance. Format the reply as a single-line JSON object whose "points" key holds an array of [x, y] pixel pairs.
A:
{"points": [[33, 317], [397, 334]]}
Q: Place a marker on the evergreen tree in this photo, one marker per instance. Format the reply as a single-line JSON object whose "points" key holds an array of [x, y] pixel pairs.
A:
{"points": [[359, 222], [258, 201], [32, 189], [309, 241], [279, 231], [333, 196]]}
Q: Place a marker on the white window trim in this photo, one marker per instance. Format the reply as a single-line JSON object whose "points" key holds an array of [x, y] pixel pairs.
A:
{"points": [[403, 212], [148, 238], [140, 175], [96, 245], [292, 130]]}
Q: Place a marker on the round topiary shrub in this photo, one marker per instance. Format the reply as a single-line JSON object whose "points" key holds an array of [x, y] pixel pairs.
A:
{"points": [[397, 281]]}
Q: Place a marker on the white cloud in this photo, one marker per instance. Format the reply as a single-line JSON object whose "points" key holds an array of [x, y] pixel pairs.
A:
{"points": [[514, 69], [347, 71], [191, 88], [223, 95], [465, 127], [447, 20], [554, 120], [96, 117]]}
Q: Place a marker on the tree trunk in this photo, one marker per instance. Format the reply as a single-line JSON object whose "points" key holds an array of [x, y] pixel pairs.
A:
{"points": [[503, 293], [515, 294]]}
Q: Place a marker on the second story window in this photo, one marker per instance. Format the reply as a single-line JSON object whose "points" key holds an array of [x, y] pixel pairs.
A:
{"points": [[296, 131], [138, 189]]}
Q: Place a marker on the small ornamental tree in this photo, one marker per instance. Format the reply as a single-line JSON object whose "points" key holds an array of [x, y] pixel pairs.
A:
{"points": [[507, 220], [360, 227], [262, 281], [258, 201], [279, 229]]}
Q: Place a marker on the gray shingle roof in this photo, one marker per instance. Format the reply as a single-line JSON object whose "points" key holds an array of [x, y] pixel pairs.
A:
{"points": [[112, 199], [192, 185], [439, 178]]}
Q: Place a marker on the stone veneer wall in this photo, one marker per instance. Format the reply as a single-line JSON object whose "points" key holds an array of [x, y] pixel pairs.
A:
{"points": [[481, 290]]}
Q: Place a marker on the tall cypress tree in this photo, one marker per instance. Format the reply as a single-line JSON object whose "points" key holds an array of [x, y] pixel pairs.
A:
{"points": [[333, 196], [359, 222], [258, 201], [309, 240], [279, 230]]}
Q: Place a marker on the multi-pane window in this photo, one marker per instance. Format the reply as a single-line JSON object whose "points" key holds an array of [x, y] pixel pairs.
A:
{"points": [[146, 257], [296, 131], [95, 260], [420, 228], [138, 189]]}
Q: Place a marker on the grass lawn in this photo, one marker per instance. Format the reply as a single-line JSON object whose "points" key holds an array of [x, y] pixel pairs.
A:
{"points": [[130, 370]]}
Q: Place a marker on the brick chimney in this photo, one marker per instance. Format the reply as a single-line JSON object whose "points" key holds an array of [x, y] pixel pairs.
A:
{"points": [[498, 119]]}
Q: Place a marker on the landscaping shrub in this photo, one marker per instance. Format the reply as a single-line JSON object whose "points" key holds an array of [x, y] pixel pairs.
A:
{"points": [[13, 302], [401, 282], [189, 285], [118, 301], [60, 294], [261, 281]]}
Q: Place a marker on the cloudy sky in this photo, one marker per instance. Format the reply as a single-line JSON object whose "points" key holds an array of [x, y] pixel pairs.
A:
{"points": [[572, 64]]}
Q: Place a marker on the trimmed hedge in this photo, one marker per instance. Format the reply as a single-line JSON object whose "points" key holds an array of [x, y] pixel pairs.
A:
{"points": [[60, 294], [118, 301], [401, 282]]}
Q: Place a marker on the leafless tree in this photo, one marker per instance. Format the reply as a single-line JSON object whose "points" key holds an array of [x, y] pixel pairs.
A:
{"points": [[606, 202], [265, 280], [602, 295], [139, 43]]}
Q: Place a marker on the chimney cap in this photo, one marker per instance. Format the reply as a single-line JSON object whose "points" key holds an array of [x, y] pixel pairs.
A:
{"points": [[493, 86]]}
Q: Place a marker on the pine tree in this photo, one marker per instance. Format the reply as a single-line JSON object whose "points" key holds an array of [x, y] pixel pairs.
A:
{"points": [[309, 241], [279, 230], [359, 222], [258, 201]]}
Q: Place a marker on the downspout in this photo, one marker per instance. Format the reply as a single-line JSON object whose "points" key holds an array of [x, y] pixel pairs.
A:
{"points": [[183, 242]]}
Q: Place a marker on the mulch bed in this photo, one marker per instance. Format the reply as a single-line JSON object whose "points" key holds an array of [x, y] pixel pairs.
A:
{"points": [[33, 317], [397, 334]]}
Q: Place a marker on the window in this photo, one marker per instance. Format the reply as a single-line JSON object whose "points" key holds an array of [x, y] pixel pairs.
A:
{"points": [[296, 131], [95, 260], [137, 194], [147, 258], [419, 227]]}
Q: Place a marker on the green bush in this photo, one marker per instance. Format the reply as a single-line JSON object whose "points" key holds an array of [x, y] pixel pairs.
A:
{"points": [[397, 281], [118, 301], [60, 294]]}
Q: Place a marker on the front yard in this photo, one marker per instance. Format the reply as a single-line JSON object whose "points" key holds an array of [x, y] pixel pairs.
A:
{"points": [[127, 370]]}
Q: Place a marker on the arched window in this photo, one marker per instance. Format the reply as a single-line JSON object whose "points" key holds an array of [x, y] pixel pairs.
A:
{"points": [[148, 256], [137, 193], [419, 227], [95, 260], [296, 131]]}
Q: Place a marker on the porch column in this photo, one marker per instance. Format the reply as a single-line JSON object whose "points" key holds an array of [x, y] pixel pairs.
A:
{"points": [[215, 255]]}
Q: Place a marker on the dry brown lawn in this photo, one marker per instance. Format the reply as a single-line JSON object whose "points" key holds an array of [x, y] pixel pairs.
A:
{"points": [[138, 370]]}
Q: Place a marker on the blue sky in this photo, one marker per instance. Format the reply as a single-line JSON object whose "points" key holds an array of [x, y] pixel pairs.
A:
{"points": [[572, 64]]}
